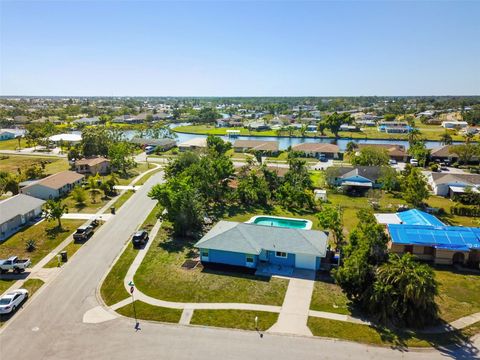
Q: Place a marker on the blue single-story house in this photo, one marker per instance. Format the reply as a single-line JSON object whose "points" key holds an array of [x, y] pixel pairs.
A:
{"points": [[360, 177], [251, 245]]}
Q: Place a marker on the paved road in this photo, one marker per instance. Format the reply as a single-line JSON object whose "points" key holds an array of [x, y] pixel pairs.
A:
{"points": [[51, 327]]}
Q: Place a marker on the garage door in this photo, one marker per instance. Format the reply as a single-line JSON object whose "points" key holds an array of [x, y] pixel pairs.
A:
{"points": [[305, 261]]}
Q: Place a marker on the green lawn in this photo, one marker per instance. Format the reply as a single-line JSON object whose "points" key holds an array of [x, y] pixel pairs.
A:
{"points": [[88, 206], [46, 235], [12, 163], [71, 249], [236, 319], [152, 218], [12, 144], [329, 297], [150, 312], [112, 289], [429, 132], [318, 179], [459, 294], [160, 275], [446, 204], [370, 335]]}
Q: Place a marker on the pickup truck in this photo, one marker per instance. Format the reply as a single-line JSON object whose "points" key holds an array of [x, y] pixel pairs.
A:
{"points": [[83, 233], [15, 264]]}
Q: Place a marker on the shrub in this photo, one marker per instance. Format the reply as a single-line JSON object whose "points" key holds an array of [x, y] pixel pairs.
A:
{"points": [[434, 167], [30, 245]]}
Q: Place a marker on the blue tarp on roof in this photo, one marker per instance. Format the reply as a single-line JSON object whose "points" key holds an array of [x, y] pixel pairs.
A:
{"points": [[456, 238], [417, 217]]}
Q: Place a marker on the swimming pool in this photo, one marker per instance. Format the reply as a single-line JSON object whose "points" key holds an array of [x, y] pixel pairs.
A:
{"points": [[281, 222]]}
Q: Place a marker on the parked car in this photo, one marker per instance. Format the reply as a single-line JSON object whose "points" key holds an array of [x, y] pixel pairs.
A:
{"points": [[15, 264], [140, 238], [414, 162], [83, 233], [392, 162], [149, 149], [94, 223], [11, 301], [322, 158]]}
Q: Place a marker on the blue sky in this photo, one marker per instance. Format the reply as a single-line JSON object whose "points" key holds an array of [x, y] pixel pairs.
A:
{"points": [[239, 48]]}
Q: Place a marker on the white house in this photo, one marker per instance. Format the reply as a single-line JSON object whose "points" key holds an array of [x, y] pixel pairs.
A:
{"points": [[454, 124], [16, 212], [445, 184], [53, 186]]}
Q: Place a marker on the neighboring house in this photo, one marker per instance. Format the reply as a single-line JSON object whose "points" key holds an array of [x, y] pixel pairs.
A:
{"points": [[395, 152], [394, 127], [454, 124], [160, 144], [355, 178], [270, 147], [69, 138], [193, 144], [258, 126], [427, 238], [16, 212], [53, 186], [330, 151], [443, 153], [445, 184], [6, 135], [251, 245], [87, 121], [93, 166]]}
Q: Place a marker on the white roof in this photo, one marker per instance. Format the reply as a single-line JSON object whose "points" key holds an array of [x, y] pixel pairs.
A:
{"points": [[461, 189], [66, 137], [198, 142], [388, 219]]}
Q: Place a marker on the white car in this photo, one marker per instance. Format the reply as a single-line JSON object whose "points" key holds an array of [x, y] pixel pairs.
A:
{"points": [[414, 162], [11, 301]]}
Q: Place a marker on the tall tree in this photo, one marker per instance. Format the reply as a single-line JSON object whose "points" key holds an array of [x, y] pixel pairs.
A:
{"points": [[414, 187], [446, 138], [95, 141], [54, 211], [370, 156], [331, 218], [121, 156], [336, 120]]}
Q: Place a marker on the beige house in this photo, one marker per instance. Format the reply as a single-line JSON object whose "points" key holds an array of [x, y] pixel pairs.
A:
{"points": [[193, 144], [330, 151], [53, 186], [93, 166], [270, 147]]}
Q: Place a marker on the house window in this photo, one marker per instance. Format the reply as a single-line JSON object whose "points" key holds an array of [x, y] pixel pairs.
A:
{"points": [[428, 250], [204, 253], [281, 254], [249, 259], [408, 249]]}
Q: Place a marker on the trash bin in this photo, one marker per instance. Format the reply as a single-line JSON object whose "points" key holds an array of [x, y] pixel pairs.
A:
{"points": [[112, 210], [64, 256]]}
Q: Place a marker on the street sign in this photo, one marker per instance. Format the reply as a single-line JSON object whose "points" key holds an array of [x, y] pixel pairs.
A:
{"points": [[131, 289], [131, 283]]}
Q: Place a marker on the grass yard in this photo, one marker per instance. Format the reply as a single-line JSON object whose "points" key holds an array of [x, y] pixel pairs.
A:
{"points": [[14, 162], [329, 297], [429, 132], [160, 275], [45, 234], [112, 289], [459, 294], [88, 206], [446, 204], [370, 335], [152, 218], [12, 144], [318, 179], [71, 249], [150, 312], [235, 319]]}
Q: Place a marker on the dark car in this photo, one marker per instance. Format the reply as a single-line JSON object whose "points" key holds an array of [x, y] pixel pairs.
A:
{"points": [[140, 238], [83, 233]]}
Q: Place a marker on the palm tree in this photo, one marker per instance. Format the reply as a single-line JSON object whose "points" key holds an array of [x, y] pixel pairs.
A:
{"points": [[446, 138], [351, 146], [93, 184], [414, 135]]}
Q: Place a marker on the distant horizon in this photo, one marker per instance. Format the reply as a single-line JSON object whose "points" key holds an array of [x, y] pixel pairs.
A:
{"points": [[240, 48]]}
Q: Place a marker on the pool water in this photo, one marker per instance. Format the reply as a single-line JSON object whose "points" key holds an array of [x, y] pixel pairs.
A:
{"points": [[281, 222]]}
